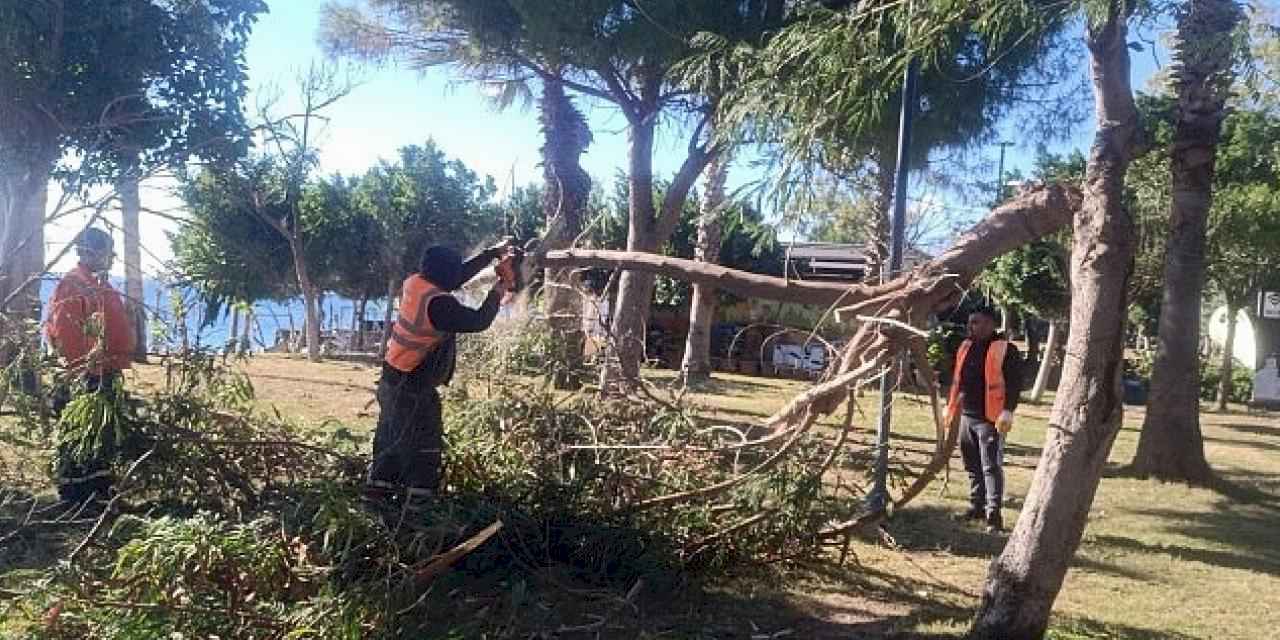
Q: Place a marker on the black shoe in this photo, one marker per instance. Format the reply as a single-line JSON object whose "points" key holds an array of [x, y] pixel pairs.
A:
{"points": [[995, 523], [973, 513]]}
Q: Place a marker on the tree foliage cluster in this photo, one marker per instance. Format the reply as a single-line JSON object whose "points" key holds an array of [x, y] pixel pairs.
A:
{"points": [[362, 232], [367, 232], [1243, 231]]}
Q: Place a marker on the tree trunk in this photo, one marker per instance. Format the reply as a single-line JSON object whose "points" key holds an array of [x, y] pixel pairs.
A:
{"points": [[697, 350], [135, 303], [1228, 360], [233, 334], [357, 324], [393, 288], [244, 346], [886, 174], [568, 187], [1031, 333], [310, 299], [1046, 363], [24, 196], [1171, 446], [630, 312], [1024, 581]]}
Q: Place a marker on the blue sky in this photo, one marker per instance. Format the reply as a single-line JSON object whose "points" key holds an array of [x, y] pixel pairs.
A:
{"points": [[392, 107]]}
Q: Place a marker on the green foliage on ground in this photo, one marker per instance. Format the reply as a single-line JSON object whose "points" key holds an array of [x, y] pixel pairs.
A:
{"points": [[239, 523]]}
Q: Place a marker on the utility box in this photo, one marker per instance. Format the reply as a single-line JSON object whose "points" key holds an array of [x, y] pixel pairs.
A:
{"points": [[1266, 380]]}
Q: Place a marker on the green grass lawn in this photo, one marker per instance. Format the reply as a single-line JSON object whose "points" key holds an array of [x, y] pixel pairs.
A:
{"points": [[1157, 561]]}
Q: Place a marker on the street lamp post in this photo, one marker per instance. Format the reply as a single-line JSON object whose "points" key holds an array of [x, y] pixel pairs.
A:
{"points": [[878, 499]]}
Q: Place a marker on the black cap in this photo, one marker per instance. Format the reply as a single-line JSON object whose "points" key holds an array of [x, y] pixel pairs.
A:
{"points": [[443, 267], [96, 240]]}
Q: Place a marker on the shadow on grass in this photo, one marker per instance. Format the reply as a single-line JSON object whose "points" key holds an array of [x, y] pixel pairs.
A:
{"points": [[929, 527], [1251, 444], [722, 386], [1250, 532], [861, 602], [1222, 559], [1253, 429]]}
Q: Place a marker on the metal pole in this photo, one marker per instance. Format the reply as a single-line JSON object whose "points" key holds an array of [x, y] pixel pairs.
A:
{"points": [[878, 499]]}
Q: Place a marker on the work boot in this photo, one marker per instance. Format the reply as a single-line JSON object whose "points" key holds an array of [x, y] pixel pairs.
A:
{"points": [[995, 523], [974, 513]]}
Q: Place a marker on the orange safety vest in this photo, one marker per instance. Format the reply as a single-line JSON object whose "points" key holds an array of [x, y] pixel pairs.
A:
{"points": [[995, 381], [413, 336]]}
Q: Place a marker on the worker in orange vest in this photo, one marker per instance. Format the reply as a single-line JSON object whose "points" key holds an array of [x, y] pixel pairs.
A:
{"points": [[984, 394], [420, 356], [88, 327]]}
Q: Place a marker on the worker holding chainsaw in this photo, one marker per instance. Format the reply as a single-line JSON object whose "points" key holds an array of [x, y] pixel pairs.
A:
{"points": [[420, 357]]}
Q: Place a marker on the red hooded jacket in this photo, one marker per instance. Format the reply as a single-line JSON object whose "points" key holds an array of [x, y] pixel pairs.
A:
{"points": [[94, 346]]}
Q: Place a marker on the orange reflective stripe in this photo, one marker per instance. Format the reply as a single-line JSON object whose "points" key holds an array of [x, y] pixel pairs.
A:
{"points": [[994, 369], [412, 344], [953, 399], [413, 336]]}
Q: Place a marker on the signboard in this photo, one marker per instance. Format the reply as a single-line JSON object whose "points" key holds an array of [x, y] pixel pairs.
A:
{"points": [[1269, 305]]}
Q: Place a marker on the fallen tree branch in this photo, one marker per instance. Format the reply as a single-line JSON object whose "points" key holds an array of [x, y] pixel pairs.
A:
{"points": [[1030, 215]]}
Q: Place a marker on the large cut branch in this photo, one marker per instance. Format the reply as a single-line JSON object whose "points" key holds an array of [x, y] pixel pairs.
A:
{"points": [[1030, 215]]}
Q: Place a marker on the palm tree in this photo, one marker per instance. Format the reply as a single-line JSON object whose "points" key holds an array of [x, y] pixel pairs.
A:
{"points": [[1171, 445]]}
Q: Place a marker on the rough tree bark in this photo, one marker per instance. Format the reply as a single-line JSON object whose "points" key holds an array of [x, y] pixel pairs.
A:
{"points": [[702, 310], [629, 314], [24, 195], [1046, 362], [310, 301], [1024, 581], [649, 227], [135, 303], [568, 187], [1171, 446], [886, 175], [1228, 360]]}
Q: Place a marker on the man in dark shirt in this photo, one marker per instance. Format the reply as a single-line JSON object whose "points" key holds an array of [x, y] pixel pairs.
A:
{"points": [[421, 355], [987, 381]]}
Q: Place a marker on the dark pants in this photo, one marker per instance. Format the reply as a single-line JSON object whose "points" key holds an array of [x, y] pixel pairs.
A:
{"points": [[89, 476], [982, 448], [409, 441]]}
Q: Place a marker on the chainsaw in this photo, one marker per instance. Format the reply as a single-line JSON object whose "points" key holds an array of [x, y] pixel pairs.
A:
{"points": [[511, 269]]}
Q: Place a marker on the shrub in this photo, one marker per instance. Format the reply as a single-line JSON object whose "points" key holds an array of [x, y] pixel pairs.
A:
{"points": [[1241, 389]]}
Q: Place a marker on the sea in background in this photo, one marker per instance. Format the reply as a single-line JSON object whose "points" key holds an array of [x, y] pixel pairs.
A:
{"points": [[163, 301]]}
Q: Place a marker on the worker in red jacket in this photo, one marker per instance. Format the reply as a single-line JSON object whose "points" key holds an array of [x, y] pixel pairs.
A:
{"points": [[88, 327], [421, 354], [984, 395]]}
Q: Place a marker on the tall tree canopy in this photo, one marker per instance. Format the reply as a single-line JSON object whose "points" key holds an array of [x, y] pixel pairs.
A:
{"points": [[826, 89], [84, 80]]}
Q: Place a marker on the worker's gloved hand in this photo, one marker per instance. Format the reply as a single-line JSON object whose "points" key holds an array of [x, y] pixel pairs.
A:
{"points": [[1005, 422], [507, 275]]}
